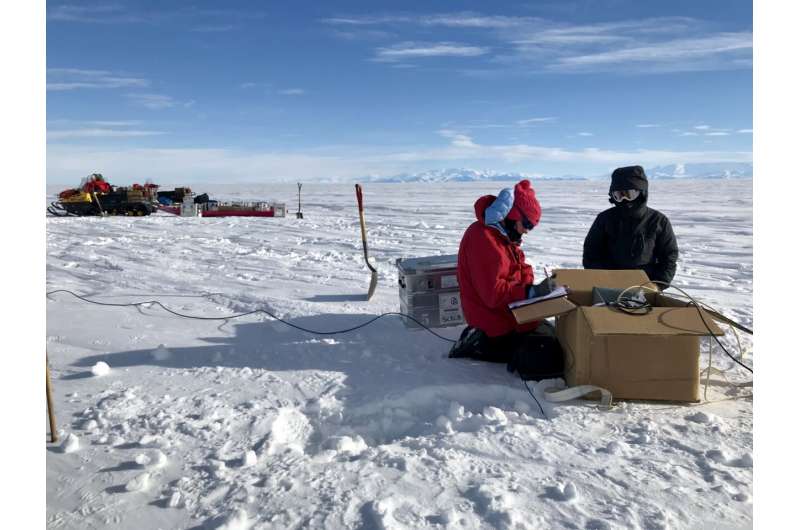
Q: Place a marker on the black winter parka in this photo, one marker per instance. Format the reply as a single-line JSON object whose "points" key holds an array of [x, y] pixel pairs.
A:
{"points": [[640, 238]]}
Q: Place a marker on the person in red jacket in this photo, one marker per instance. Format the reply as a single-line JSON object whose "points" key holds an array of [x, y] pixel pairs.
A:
{"points": [[492, 273]]}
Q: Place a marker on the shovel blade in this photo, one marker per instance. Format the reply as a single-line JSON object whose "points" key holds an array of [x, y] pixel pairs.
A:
{"points": [[373, 283]]}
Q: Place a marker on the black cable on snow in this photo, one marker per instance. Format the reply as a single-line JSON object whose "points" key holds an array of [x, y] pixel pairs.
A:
{"points": [[254, 312]]}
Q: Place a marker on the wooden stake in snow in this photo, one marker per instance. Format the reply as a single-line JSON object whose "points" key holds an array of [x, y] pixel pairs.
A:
{"points": [[50, 412]]}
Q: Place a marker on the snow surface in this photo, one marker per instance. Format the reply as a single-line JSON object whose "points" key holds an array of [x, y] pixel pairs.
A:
{"points": [[249, 423]]}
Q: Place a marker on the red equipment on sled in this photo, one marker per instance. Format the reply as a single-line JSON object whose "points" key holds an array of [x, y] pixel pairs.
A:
{"points": [[95, 196]]}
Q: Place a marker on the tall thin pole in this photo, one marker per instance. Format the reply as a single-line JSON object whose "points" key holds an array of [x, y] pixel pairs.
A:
{"points": [[299, 213], [50, 412]]}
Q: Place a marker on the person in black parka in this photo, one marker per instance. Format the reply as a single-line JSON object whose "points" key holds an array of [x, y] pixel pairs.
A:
{"points": [[631, 235]]}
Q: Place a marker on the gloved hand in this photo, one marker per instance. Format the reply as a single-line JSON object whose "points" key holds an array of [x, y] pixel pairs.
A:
{"points": [[543, 288]]}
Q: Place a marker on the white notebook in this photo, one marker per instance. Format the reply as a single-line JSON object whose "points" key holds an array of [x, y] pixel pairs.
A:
{"points": [[555, 293]]}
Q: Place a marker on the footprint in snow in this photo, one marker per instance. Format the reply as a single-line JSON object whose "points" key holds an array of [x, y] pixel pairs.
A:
{"points": [[151, 460], [699, 417], [161, 353], [566, 493], [741, 497], [138, 483], [612, 448], [237, 520], [744, 461], [597, 524], [640, 439]]}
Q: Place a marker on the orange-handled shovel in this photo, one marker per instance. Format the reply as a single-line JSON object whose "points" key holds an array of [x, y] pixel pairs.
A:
{"points": [[373, 281]]}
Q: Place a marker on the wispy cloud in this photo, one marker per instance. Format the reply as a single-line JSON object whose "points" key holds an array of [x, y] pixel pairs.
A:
{"points": [[476, 20], [452, 20], [654, 45], [64, 134], [705, 130], [92, 123], [367, 20], [514, 44], [671, 55], [214, 28], [363, 34], [532, 121], [415, 50], [745, 131], [204, 19], [269, 87], [585, 134], [115, 123], [157, 101], [97, 129], [92, 14], [60, 79], [622, 32], [255, 84], [457, 139], [648, 125], [465, 147]]}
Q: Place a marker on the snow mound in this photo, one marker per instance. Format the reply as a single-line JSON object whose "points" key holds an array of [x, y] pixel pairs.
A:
{"points": [[100, 369], [250, 459], [497, 506], [354, 445], [152, 459], [138, 483], [238, 520], [70, 444], [495, 415], [291, 429]]}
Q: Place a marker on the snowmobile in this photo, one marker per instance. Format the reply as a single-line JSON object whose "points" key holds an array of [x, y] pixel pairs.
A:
{"points": [[95, 196]]}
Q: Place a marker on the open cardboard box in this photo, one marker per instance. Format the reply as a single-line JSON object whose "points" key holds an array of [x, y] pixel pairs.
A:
{"points": [[651, 356]]}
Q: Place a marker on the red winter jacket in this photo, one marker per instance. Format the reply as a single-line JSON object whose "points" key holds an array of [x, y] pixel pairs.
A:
{"points": [[491, 273]]}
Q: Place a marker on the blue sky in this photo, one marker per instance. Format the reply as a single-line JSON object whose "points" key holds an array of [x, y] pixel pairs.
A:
{"points": [[256, 91]]}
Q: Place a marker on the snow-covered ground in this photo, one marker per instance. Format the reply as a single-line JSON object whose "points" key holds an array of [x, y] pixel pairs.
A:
{"points": [[252, 424]]}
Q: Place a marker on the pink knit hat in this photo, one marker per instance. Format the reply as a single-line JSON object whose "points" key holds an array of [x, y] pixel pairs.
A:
{"points": [[525, 203]]}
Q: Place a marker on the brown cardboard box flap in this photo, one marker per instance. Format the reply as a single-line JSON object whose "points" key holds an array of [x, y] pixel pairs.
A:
{"points": [[659, 321], [581, 281], [543, 309]]}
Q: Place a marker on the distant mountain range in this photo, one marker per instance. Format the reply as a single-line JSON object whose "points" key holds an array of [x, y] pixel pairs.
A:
{"points": [[455, 175], [709, 170]]}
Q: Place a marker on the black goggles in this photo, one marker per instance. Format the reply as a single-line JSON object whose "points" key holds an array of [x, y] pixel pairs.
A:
{"points": [[526, 223], [625, 195]]}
